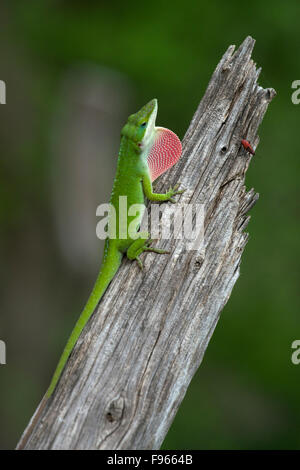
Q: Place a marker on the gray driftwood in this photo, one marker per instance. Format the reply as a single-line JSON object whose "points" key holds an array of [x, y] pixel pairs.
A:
{"points": [[131, 367]]}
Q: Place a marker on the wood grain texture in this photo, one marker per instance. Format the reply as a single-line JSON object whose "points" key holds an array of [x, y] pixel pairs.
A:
{"points": [[131, 367]]}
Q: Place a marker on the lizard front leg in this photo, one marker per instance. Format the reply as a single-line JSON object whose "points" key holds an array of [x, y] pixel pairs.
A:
{"points": [[147, 187]]}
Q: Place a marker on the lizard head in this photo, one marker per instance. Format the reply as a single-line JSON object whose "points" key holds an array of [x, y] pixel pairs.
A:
{"points": [[140, 126]]}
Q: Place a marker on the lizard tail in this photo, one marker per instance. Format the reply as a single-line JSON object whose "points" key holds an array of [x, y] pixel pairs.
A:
{"points": [[110, 264]]}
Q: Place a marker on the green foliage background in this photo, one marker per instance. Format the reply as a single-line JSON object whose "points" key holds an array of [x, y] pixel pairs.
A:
{"points": [[246, 392]]}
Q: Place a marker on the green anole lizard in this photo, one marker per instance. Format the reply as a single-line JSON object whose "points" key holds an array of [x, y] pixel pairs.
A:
{"points": [[145, 153]]}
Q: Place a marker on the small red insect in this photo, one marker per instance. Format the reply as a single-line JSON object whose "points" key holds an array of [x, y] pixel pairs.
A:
{"points": [[247, 146]]}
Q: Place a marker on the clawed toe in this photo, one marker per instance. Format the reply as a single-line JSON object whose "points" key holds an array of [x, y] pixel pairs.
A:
{"points": [[140, 264]]}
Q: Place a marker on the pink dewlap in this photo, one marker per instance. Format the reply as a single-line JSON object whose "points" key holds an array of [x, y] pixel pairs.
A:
{"points": [[164, 153]]}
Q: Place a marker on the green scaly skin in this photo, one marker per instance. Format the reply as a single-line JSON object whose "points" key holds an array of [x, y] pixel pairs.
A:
{"points": [[132, 180]]}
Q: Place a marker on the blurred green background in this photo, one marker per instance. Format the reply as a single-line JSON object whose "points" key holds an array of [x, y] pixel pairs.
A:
{"points": [[74, 70]]}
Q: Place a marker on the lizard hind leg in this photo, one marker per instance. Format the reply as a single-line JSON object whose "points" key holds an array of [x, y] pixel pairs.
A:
{"points": [[140, 245]]}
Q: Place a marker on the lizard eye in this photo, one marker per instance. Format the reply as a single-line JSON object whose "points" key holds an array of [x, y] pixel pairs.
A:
{"points": [[144, 124]]}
